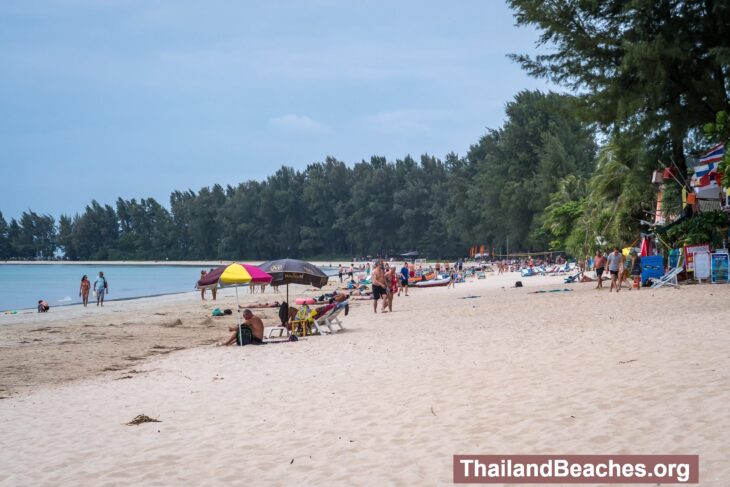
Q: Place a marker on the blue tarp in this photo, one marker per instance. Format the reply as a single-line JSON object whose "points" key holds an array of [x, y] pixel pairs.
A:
{"points": [[651, 266]]}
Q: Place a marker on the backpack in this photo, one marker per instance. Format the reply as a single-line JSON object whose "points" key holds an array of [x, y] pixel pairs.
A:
{"points": [[244, 335]]}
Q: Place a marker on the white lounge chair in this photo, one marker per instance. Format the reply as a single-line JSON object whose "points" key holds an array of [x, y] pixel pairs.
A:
{"points": [[333, 319], [668, 279], [270, 330]]}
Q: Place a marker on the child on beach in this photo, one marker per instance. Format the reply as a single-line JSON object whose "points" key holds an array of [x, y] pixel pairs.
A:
{"points": [[43, 306]]}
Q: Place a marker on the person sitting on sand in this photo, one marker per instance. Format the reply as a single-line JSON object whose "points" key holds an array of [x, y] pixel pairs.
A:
{"points": [[251, 321], [43, 306]]}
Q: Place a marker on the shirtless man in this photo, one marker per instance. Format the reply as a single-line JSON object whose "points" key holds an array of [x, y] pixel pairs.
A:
{"points": [[379, 285], [599, 264], [253, 322]]}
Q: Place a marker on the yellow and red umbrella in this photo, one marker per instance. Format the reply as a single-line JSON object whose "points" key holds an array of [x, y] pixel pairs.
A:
{"points": [[234, 275]]}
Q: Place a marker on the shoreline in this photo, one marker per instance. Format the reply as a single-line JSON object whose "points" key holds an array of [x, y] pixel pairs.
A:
{"points": [[484, 367]]}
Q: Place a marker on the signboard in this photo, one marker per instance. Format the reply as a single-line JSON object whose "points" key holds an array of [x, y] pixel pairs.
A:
{"points": [[719, 265], [702, 265], [689, 255]]}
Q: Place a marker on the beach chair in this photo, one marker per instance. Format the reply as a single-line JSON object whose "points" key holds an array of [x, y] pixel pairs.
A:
{"points": [[573, 278], [332, 319], [270, 330], [668, 279], [481, 275]]}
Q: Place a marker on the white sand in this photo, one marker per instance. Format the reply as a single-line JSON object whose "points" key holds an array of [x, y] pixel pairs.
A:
{"points": [[391, 399]]}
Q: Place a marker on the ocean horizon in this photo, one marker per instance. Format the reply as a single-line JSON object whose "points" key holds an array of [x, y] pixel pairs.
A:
{"points": [[23, 284]]}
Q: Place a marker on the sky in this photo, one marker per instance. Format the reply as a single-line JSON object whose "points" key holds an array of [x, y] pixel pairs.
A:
{"points": [[101, 99]]}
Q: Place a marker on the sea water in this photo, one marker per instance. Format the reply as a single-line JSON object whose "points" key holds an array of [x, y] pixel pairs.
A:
{"points": [[22, 285]]}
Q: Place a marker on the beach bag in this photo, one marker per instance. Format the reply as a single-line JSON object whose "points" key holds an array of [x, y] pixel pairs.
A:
{"points": [[227, 312], [244, 335], [518, 284], [217, 312]]}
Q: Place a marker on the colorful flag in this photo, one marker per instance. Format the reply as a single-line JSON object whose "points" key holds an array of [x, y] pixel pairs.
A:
{"points": [[705, 175]]}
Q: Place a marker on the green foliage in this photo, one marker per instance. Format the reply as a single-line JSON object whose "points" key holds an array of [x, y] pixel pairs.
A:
{"points": [[651, 67], [710, 227], [6, 250], [518, 167]]}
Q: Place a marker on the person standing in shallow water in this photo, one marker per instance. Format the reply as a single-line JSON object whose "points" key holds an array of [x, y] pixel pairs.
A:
{"points": [[84, 290]]}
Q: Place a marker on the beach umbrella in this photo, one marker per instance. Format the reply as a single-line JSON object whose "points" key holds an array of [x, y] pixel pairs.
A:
{"points": [[234, 275], [293, 271]]}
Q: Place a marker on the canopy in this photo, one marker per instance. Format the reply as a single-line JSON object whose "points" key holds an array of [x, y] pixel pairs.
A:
{"points": [[292, 271], [234, 275]]}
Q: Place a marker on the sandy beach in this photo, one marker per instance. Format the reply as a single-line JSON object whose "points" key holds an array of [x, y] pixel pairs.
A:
{"points": [[483, 368]]}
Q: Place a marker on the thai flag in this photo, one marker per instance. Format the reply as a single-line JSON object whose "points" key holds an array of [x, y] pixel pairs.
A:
{"points": [[713, 155], [705, 175]]}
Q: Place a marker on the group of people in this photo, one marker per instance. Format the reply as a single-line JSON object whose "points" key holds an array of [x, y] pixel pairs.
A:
{"points": [[615, 263], [388, 282], [100, 287]]}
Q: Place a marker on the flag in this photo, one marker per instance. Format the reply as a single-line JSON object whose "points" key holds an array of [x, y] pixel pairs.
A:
{"points": [[705, 175]]}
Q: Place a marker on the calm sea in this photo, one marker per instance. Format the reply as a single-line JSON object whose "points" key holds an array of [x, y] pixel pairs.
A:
{"points": [[22, 285]]}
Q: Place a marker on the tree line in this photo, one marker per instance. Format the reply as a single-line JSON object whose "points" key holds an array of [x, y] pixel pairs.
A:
{"points": [[564, 172]]}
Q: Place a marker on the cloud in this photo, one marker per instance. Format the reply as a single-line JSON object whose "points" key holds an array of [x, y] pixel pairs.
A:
{"points": [[298, 123], [403, 121]]}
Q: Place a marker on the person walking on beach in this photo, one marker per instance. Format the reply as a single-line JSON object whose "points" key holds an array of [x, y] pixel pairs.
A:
{"points": [[599, 264], [378, 285], [391, 288], [202, 289], [615, 262], [404, 275], [452, 279], [84, 290], [214, 289], [351, 272], [101, 286], [340, 271], [636, 269]]}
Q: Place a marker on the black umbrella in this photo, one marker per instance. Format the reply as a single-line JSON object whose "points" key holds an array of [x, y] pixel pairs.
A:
{"points": [[293, 271]]}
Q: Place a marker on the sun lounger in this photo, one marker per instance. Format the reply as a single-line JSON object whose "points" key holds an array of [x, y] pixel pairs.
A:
{"points": [[573, 278], [668, 279], [270, 330]]}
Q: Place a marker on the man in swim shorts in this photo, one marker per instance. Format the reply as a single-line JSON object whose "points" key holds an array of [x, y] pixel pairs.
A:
{"points": [[253, 322], [614, 261], [599, 264], [378, 285]]}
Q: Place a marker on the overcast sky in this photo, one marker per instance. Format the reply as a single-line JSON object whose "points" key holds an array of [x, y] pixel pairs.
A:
{"points": [[100, 99]]}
